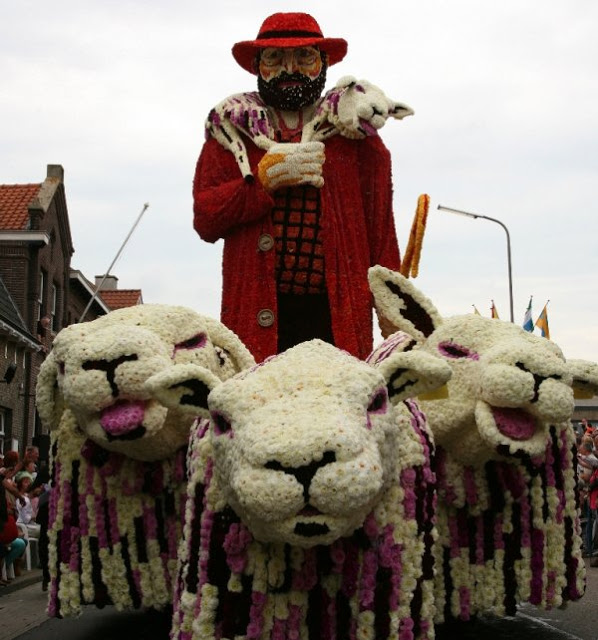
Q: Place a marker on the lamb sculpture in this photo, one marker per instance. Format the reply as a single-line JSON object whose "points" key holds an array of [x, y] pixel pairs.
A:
{"points": [[353, 108], [119, 395], [508, 521], [311, 502]]}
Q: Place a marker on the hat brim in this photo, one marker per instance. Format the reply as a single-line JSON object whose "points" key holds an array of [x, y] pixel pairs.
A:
{"points": [[246, 52]]}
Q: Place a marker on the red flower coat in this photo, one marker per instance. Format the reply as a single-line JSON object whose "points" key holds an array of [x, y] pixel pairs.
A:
{"points": [[357, 227]]}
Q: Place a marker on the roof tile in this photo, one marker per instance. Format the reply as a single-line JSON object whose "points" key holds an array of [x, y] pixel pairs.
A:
{"points": [[14, 202], [120, 298]]}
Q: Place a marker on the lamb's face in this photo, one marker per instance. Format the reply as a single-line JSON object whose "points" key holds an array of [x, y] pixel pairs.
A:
{"points": [[358, 109], [104, 371], [508, 386], [304, 444]]}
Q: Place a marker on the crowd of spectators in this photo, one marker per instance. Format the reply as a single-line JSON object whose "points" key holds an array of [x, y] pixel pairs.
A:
{"points": [[23, 512], [587, 461]]}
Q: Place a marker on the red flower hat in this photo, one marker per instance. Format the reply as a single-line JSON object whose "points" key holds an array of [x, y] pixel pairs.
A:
{"points": [[288, 30]]}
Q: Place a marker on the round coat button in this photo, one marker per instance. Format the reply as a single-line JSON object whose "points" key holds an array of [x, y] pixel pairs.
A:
{"points": [[265, 242], [265, 318]]}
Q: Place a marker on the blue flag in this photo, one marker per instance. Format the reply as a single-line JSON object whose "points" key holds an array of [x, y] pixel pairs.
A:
{"points": [[528, 323]]}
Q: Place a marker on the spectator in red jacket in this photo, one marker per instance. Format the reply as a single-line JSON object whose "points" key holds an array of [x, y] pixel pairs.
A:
{"points": [[302, 228]]}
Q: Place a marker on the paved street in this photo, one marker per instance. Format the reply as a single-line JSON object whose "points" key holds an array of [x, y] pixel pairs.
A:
{"points": [[22, 616]]}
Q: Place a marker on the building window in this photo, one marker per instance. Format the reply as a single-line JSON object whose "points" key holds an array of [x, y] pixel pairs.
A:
{"points": [[2, 432], [40, 294], [53, 309]]}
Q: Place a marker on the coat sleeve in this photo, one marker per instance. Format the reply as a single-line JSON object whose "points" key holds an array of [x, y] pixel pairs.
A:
{"points": [[376, 187], [222, 199]]}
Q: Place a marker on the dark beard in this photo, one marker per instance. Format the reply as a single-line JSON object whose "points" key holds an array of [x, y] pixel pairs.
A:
{"points": [[291, 98]]}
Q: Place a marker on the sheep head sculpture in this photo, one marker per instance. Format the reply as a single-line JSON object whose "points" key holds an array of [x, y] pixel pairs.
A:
{"points": [[508, 518], [507, 386], [110, 372], [311, 502], [120, 395]]}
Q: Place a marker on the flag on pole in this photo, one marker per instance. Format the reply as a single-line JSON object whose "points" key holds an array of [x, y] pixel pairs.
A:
{"points": [[542, 322], [493, 311], [475, 310], [528, 323]]}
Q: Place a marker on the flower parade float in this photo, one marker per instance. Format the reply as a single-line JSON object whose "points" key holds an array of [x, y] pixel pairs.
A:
{"points": [[119, 395], [311, 502], [507, 516]]}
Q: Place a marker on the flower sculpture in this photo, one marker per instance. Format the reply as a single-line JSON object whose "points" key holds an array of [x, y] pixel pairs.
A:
{"points": [[311, 502], [508, 519], [120, 395]]}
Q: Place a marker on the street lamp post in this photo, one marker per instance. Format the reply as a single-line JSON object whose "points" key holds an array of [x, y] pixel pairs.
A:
{"points": [[478, 215]]}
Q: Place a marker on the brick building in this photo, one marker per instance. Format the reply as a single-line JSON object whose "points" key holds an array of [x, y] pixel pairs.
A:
{"points": [[39, 295]]}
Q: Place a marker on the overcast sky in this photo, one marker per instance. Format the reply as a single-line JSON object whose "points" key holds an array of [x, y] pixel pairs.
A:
{"points": [[506, 124]]}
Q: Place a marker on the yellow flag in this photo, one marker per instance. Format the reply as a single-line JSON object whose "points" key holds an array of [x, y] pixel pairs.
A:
{"points": [[493, 311], [542, 322]]}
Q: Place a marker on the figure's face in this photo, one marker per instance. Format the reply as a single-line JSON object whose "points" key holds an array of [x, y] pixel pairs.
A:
{"points": [[304, 60], [293, 78]]}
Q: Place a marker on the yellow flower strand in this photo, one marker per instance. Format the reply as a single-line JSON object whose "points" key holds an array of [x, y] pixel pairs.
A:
{"points": [[410, 263]]}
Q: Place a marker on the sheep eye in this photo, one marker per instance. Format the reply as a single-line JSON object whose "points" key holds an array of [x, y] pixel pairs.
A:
{"points": [[456, 351], [196, 342], [221, 425], [379, 402]]}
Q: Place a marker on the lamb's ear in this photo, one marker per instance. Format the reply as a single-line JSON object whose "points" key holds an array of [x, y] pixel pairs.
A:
{"points": [[346, 82], [48, 398], [585, 378], [234, 356], [184, 387], [411, 373], [402, 304]]}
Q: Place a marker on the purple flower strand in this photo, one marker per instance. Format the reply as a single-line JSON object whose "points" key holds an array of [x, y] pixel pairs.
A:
{"points": [[410, 501], [65, 540], [278, 629], [256, 615], [236, 543], [471, 492], [294, 623], [368, 580], [464, 603], [406, 629]]}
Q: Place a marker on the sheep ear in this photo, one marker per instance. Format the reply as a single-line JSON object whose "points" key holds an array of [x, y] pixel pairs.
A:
{"points": [[346, 82], [402, 304], [399, 110], [585, 378], [411, 373], [184, 387], [234, 356], [48, 398]]}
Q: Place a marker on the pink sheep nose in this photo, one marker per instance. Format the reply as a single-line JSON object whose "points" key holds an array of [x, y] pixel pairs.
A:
{"points": [[122, 417]]}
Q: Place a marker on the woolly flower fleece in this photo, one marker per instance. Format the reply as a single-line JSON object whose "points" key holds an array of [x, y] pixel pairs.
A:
{"points": [[118, 452], [311, 505]]}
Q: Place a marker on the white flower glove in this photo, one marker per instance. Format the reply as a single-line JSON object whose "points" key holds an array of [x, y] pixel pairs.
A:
{"points": [[291, 163]]}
